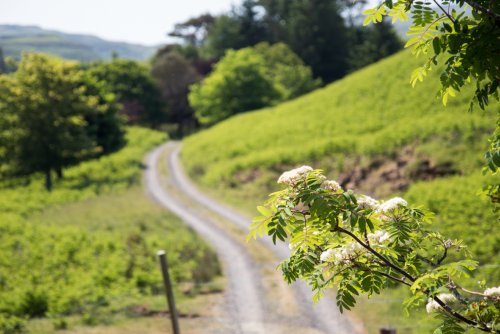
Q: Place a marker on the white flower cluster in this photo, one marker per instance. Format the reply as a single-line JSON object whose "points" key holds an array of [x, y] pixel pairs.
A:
{"points": [[378, 237], [331, 185], [433, 306], [341, 256], [290, 177], [366, 202], [492, 291], [448, 243], [391, 205]]}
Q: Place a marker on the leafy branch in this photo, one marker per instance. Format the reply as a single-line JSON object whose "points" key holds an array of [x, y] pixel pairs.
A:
{"points": [[359, 244]]}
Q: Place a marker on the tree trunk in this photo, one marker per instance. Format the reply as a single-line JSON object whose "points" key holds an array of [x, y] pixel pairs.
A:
{"points": [[59, 173], [48, 180]]}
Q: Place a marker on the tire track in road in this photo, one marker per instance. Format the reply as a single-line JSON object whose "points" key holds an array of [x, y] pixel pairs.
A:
{"points": [[245, 294]]}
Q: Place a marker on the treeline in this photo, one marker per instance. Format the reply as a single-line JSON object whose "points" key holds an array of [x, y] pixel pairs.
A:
{"points": [[56, 113], [322, 39]]}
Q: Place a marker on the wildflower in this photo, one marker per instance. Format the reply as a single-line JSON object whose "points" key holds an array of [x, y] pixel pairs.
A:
{"points": [[378, 237], [366, 202], [492, 291], [341, 256], [290, 177], [391, 205], [331, 185], [328, 255], [448, 243], [433, 306]]}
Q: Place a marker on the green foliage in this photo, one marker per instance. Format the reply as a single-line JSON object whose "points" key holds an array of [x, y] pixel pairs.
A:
{"points": [[465, 34], [110, 173], [351, 241], [466, 40], [91, 242], [135, 89], [372, 44], [51, 119], [238, 83], [174, 75], [223, 35], [287, 69]]}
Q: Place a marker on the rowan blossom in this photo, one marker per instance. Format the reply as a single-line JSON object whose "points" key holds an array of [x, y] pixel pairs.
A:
{"points": [[290, 177], [331, 185], [392, 205], [366, 202], [433, 306], [341, 256], [492, 291], [379, 237]]}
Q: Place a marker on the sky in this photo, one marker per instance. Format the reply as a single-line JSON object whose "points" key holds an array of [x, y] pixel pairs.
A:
{"points": [[135, 21]]}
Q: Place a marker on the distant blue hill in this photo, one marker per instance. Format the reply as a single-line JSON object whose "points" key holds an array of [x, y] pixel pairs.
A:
{"points": [[14, 39]]}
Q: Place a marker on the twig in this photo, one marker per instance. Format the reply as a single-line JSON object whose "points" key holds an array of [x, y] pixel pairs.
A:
{"points": [[426, 260], [444, 11], [483, 9], [444, 256]]}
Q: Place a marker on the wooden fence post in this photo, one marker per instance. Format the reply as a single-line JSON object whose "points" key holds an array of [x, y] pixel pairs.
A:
{"points": [[168, 291]]}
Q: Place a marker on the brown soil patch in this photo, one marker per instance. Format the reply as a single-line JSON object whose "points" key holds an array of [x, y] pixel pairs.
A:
{"points": [[382, 176]]}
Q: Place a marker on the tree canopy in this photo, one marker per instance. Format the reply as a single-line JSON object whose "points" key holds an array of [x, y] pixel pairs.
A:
{"points": [[238, 83], [249, 79], [50, 118], [134, 88]]}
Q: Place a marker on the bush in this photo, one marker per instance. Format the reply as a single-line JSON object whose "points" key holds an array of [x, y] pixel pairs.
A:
{"points": [[238, 83]]}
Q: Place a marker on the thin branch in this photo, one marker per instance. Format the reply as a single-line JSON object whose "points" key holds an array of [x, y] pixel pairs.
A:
{"points": [[444, 11], [426, 260], [402, 281], [461, 317], [483, 9], [473, 292], [444, 256]]}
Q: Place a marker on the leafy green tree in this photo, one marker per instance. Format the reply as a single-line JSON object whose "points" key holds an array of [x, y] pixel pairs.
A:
{"points": [[372, 44], [44, 112], [238, 83], [224, 35], [105, 124], [314, 30], [134, 88], [174, 75], [240, 28], [462, 34], [194, 30], [287, 69]]}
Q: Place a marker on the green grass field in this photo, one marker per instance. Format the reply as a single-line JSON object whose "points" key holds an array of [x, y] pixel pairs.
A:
{"points": [[87, 250], [372, 122]]}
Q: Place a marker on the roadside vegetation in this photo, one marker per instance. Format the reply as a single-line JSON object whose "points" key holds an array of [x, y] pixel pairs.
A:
{"points": [[87, 249]]}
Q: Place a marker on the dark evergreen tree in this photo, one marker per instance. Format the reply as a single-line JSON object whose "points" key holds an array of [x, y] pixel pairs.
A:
{"points": [[373, 43]]}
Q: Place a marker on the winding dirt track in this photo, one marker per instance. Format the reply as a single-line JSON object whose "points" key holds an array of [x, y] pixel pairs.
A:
{"points": [[245, 294]]}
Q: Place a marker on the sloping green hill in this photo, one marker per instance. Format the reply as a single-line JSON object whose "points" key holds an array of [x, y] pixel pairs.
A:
{"points": [[15, 39], [373, 132]]}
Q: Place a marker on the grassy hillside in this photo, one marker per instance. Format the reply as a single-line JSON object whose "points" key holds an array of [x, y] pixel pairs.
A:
{"points": [[15, 39], [87, 249], [374, 133]]}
